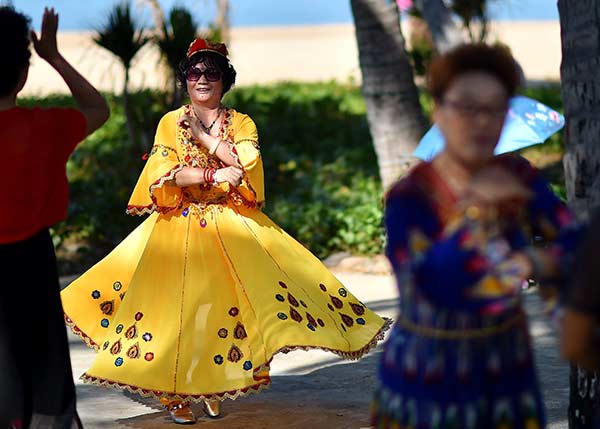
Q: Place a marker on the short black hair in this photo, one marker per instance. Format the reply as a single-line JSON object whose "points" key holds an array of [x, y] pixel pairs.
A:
{"points": [[494, 60], [15, 33], [212, 59]]}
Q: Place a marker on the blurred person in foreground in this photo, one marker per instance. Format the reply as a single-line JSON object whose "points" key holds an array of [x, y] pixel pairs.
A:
{"points": [[460, 230], [580, 329], [580, 336], [193, 304], [36, 143]]}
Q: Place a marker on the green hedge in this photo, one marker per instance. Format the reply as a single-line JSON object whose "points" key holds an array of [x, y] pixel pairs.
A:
{"points": [[321, 172]]}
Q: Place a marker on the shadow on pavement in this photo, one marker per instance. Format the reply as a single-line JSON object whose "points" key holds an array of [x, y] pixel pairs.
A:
{"points": [[327, 398]]}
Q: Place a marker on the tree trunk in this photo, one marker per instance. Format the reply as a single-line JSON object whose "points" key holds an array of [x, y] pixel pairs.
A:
{"points": [[394, 113], [446, 34], [222, 20], [580, 77], [158, 17], [128, 116]]}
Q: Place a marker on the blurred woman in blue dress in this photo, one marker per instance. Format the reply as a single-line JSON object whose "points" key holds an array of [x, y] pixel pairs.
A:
{"points": [[460, 233]]}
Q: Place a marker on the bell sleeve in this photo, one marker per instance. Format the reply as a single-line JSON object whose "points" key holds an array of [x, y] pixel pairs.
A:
{"points": [[247, 151], [154, 190]]}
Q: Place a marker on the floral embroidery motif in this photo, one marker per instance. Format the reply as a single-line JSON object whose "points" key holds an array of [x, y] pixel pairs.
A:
{"points": [[218, 359], [295, 315], [293, 300], [233, 311], [107, 307], [147, 337], [358, 309], [149, 356], [116, 348], [234, 354], [223, 333], [96, 294], [348, 321], [283, 285], [117, 286], [336, 302], [134, 351], [240, 332], [131, 332], [119, 361]]}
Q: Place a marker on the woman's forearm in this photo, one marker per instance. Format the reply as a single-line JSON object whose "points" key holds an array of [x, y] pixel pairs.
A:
{"points": [[189, 176], [224, 152], [89, 101]]}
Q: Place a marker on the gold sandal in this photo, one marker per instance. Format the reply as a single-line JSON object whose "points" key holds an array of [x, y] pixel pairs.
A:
{"points": [[181, 413], [212, 408]]}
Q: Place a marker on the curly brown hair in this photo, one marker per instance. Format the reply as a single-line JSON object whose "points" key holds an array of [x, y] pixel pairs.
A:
{"points": [[478, 57]]}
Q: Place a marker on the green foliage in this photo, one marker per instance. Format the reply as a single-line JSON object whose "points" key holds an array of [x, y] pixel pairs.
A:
{"points": [[320, 167], [321, 172], [121, 35], [177, 35]]}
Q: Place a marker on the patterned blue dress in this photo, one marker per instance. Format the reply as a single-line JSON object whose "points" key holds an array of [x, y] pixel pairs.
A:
{"points": [[459, 355]]}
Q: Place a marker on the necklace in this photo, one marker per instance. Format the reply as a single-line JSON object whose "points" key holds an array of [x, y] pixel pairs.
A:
{"points": [[208, 129]]}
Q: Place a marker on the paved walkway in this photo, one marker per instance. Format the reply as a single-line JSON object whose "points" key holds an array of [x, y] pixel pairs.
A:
{"points": [[314, 389]]}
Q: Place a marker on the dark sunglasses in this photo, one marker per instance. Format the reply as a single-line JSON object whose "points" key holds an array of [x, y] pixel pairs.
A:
{"points": [[194, 73]]}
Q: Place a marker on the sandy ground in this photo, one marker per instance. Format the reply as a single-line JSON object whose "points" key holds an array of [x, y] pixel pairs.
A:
{"points": [[270, 54]]}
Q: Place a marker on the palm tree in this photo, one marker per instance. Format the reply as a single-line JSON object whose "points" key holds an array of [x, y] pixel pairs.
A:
{"points": [[222, 20], [471, 12], [444, 30], [394, 114], [173, 42], [580, 68], [157, 16], [123, 37]]}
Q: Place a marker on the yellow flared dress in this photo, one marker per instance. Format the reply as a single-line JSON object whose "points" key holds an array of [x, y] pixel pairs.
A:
{"points": [[197, 300]]}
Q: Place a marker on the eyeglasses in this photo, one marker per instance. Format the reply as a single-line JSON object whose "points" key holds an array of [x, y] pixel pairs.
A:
{"points": [[193, 74], [467, 109]]}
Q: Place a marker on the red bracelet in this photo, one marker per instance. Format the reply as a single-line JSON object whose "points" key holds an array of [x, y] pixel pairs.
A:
{"points": [[209, 174]]}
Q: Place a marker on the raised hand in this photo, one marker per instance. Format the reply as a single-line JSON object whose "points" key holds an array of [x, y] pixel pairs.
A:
{"points": [[46, 46], [195, 128]]}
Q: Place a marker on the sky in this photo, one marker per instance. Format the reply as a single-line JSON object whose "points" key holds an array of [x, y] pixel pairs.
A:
{"points": [[87, 14]]}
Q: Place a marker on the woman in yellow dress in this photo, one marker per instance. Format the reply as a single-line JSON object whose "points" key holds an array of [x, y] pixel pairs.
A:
{"points": [[195, 302]]}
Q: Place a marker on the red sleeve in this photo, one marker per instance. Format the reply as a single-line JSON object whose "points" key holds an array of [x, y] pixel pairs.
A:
{"points": [[70, 128]]}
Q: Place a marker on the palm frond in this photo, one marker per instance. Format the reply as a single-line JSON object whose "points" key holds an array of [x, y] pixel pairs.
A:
{"points": [[121, 34], [181, 31]]}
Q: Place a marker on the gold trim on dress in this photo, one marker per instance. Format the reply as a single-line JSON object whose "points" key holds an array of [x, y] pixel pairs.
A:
{"points": [[459, 334], [234, 394]]}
